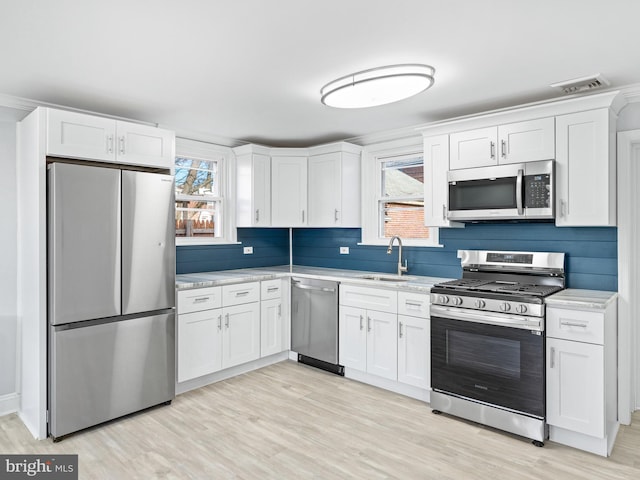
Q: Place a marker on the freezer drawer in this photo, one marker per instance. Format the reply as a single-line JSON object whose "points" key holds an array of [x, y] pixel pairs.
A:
{"points": [[101, 372]]}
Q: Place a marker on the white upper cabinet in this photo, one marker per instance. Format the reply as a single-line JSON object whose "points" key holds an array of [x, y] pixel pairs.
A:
{"points": [[586, 169], [473, 148], [334, 186], [253, 205], [77, 135], [436, 192], [527, 141], [510, 143], [288, 191]]}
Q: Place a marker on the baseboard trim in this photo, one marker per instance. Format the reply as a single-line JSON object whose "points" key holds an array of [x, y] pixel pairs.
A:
{"points": [[9, 403]]}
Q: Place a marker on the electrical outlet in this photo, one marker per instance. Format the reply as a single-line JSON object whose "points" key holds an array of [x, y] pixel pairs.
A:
{"points": [[247, 250], [344, 250]]}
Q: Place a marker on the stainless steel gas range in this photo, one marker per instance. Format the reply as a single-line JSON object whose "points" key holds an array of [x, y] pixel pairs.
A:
{"points": [[487, 339]]}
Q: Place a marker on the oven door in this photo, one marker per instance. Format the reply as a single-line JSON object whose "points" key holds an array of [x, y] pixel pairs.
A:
{"points": [[497, 365]]}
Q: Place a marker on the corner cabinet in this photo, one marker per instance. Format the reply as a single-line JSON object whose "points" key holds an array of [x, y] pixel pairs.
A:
{"points": [[288, 190], [253, 189], [586, 169], [82, 136], [334, 186], [581, 376]]}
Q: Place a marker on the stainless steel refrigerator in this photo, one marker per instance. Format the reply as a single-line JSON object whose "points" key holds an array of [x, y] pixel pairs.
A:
{"points": [[111, 294]]}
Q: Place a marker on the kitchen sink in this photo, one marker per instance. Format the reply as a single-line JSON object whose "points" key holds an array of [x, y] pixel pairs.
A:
{"points": [[384, 278]]}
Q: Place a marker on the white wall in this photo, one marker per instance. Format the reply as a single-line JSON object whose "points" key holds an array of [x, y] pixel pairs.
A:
{"points": [[8, 251]]}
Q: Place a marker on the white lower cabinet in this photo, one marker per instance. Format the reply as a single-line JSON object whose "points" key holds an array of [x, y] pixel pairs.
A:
{"points": [[368, 341], [218, 328], [414, 350], [581, 377], [270, 327], [199, 343]]}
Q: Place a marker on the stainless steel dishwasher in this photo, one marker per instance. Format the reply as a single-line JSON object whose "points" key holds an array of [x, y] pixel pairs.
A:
{"points": [[314, 323]]}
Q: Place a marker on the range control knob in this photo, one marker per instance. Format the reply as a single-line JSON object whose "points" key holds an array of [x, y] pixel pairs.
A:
{"points": [[505, 307], [521, 308], [457, 301], [480, 303], [443, 299]]}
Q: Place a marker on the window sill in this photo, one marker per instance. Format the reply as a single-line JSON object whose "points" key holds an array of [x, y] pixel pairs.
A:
{"points": [[183, 242]]}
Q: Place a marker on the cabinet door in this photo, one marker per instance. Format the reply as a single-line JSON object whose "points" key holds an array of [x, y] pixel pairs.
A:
{"points": [[325, 190], [240, 334], [585, 170], [144, 145], [382, 344], [270, 327], [288, 191], [527, 141], [353, 338], [76, 135], [436, 186], [575, 386], [414, 351], [199, 344], [473, 148], [261, 182]]}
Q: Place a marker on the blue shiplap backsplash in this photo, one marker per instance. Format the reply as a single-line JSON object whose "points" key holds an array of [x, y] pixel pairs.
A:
{"points": [[591, 252], [270, 247], [590, 260]]}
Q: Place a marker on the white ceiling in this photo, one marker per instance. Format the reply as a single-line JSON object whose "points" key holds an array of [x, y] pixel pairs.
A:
{"points": [[251, 70]]}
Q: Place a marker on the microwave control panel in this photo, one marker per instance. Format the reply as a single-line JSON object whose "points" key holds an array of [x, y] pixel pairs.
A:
{"points": [[537, 191]]}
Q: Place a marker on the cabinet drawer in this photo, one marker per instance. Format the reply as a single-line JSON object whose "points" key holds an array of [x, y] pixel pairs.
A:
{"points": [[413, 304], [240, 293], [578, 325], [270, 289], [199, 299], [369, 298]]}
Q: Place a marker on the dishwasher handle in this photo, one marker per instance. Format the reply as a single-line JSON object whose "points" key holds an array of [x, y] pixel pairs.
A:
{"points": [[310, 287]]}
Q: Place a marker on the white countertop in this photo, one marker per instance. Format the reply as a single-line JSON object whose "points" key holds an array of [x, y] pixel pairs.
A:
{"points": [[225, 277], [574, 297]]}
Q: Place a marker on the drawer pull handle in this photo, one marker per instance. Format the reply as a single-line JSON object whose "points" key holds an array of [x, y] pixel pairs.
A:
{"points": [[200, 299], [242, 294], [273, 289], [573, 324], [413, 304]]}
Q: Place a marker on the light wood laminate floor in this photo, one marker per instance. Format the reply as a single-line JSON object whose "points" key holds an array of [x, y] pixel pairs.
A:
{"points": [[289, 421]]}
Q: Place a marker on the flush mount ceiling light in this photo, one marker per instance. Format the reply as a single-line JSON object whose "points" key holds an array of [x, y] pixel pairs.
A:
{"points": [[377, 86]]}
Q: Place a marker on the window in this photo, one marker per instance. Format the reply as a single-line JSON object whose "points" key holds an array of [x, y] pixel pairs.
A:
{"points": [[202, 185], [393, 195]]}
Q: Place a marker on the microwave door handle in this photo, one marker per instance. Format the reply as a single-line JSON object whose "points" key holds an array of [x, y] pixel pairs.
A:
{"points": [[519, 192]]}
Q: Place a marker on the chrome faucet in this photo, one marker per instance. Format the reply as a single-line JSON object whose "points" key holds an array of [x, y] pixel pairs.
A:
{"points": [[401, 268]]}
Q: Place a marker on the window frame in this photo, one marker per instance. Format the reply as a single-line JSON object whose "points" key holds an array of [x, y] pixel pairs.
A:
{"points": [[186, 148], [372, 158]]}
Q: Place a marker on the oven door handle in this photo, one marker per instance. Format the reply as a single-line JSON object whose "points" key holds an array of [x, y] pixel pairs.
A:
{"points": [[489, 318]]}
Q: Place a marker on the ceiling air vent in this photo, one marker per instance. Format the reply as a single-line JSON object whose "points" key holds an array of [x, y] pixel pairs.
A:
{"points": [[581, 84]]}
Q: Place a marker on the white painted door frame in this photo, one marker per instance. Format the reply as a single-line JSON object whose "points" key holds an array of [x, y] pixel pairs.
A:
{"points": [[628, 273]]}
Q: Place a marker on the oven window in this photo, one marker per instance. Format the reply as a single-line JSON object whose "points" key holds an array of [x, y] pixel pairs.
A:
{"points": [[483, 194], [484, 354]]}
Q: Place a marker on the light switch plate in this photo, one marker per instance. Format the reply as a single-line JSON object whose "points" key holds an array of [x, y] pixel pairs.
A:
{"points": [[344, 250], [247, 250]]}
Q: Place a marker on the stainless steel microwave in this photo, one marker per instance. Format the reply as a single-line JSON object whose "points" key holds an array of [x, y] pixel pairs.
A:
{"points": [[519, 191]]}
